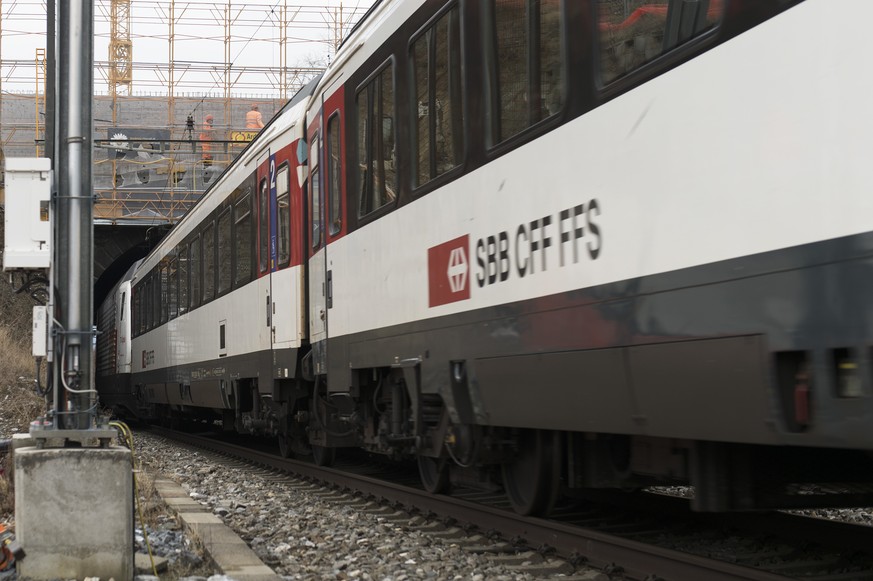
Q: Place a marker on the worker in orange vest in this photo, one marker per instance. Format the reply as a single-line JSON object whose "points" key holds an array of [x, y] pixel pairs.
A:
{"points": [[253, 118], [205, 139]]}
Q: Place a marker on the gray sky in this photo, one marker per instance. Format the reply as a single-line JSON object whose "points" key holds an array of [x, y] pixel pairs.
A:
{"points": [[199, 41]]}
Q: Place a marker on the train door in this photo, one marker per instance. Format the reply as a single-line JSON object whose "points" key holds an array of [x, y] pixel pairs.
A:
{"points": [[325, 220], [317, 256], [333, 209], [265, 254], [122, 327], [285, 291]]}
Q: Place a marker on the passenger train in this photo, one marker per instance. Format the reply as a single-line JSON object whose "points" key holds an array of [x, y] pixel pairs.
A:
{"points": [[548, 245]]}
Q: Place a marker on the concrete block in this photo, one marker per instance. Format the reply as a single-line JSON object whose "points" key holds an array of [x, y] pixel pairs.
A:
{"points": [[232, 555], [200, 518], [251, 573], [143, 563], [22, 441], [183, 504], [74, 513], [229, 553], [169, 489]]}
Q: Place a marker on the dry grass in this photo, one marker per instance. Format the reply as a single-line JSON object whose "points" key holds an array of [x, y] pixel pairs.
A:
{"points": [[7, 498], [149, 501], [19, 404]]}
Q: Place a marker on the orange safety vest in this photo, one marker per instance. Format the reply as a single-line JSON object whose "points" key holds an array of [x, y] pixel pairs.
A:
{"points": [[254, 120]]}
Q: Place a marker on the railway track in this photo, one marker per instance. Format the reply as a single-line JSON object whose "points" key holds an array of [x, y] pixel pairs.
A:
{"points": [[635, 543]]}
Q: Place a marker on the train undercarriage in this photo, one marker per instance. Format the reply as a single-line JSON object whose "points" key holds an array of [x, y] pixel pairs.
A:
{"points": [[537, 469]]}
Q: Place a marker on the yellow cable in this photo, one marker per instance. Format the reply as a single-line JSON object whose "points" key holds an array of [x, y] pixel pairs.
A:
{"points": [[127, 434]]}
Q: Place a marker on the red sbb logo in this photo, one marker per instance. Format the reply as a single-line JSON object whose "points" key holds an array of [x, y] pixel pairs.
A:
{"points": [[448, 272]]}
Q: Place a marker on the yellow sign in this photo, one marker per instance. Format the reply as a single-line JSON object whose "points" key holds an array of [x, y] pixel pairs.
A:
{"points": [[242, 136]]}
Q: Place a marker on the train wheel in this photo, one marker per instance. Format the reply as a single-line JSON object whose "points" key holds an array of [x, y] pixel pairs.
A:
{"points": [[434, 474], [323, 456], [531, 479]]}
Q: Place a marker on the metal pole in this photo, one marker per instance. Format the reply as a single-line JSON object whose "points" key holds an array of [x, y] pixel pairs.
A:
{"points": [[50, 70], [75, 212]]}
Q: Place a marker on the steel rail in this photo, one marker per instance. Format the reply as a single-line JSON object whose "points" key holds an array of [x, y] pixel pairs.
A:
{"points": [[596, 549]]}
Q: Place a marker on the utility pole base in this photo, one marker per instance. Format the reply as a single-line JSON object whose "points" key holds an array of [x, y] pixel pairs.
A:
{"points": [[74, 513]]}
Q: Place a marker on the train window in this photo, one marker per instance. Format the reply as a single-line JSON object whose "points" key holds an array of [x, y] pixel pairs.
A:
{"points": [[209, 263], [634, 32], [530, 63], [436, 57], [143, 323], [164, 289], [149, 305], [182, 253], [315, 205], [377, 174], [334, 171], [283, 202], [137, 311], [263, 225], [156, 289], [173, 288], [194, 255], [123, 304], [225, 252], [243, 239]]}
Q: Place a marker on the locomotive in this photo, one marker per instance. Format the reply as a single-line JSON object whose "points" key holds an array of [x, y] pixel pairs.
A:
{"points": [[544, 245]]}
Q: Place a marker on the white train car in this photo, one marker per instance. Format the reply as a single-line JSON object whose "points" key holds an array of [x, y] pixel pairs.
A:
{"points": [[597, 243], [113, 356], [549, 245], [218, 305]]}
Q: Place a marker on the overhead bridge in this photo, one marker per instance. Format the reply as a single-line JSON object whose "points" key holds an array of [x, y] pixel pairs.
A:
{"points": [[142, 188]]}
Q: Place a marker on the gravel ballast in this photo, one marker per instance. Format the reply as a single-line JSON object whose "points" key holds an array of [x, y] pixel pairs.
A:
{"points": [[302, 536]]}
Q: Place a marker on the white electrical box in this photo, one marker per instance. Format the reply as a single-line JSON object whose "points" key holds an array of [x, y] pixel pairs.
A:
{"points": [[40, 331], [28, 230]]}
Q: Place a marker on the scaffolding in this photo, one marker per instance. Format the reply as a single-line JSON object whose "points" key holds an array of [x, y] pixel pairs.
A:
{"points": [[149, 160]]}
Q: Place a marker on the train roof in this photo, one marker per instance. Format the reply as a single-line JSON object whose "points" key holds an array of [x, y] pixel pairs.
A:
{"points": [[279, 124]]}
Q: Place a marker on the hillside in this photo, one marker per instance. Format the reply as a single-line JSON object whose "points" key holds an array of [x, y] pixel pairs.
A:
{"points": [[19, 405]]}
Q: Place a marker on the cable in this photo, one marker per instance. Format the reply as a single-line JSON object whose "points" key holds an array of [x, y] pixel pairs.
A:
{"points": [[40, 391], [128, 438], [457, 461], [64, 379], [376, 393]]}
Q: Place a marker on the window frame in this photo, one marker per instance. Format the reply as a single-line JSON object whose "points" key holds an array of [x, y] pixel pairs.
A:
{"points": [[220, 260], [373, 79], [246, 199], [184, 279], [428, 32], [655, 67], [163, 281], [173, 286], [195, 287], [316, 223], [149, 303], [496, 147], [281, 263], [335, 175], [208, 259], [263, 236], [137, 311]]}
